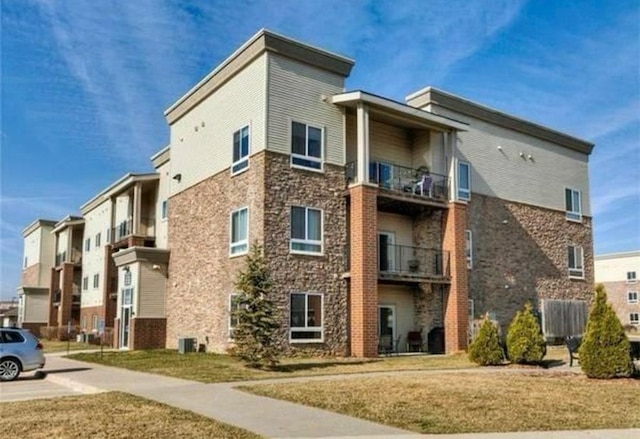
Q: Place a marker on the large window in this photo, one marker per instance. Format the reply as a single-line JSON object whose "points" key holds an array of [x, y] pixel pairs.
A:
{"points": [[306, 230], [239, 231], [240, 150], [631, 277], [306, 317], [634, 318], [469, 248], [632, 297], [306, 146], [576, 266], [464, 181], [572, 204]]}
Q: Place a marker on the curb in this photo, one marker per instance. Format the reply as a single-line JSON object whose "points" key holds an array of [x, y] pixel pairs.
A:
{"points": [[74, 385]]}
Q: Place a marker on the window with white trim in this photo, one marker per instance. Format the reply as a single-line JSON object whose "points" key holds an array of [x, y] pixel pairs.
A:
{"points": [[464, 181], [240, 150], [239, 231], [575, 262], [108, 236], [96, 280], [87, 244], [469, 248], [306, 230], [634, 318], [97, 240], [632, 297], [164, 210], [306, 146], [631, 277], [306, 317], [127, 278], [85, 283], [573, 204]]}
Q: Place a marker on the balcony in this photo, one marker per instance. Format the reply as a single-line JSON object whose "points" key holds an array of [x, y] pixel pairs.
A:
{"points": [[125, 230], [74, 257], [412, 264], [401, 186], [57, 295]]}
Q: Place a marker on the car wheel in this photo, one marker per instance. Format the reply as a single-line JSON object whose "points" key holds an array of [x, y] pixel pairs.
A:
{"points": [[9, 369]]}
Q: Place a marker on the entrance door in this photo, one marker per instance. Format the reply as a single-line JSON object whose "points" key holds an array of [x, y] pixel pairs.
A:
{"points": [[125, 317], [386, 251]]}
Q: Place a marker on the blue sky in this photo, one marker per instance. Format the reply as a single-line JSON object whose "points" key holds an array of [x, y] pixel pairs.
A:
{"points": [[84, 84]]}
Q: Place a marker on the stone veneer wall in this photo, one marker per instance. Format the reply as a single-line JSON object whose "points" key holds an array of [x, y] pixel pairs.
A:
{"points": [[291, 273], [617, 295], [201, 273], [520, 254]]}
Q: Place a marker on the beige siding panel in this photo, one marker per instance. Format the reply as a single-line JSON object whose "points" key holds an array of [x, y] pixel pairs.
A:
{"points": [[401, 226], [162, 233], [36, 307], [32, 248], [390, 144], [295, 92], [438, 156], [202, 140], [62, 245], [540, 180], [152, 287], [615, 270], [47, 255], [96, 221], [402, 298]]}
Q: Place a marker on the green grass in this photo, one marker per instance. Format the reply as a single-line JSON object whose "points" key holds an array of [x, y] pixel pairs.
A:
{"points": [[465, 402], [110, 415], [214, 368]]}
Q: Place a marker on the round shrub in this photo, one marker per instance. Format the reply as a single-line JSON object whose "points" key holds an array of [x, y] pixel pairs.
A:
{"points": [[604, 352], [485, 348], [525, 343]]}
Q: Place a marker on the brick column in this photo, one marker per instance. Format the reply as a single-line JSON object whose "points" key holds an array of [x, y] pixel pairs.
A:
{"points": [[363, 295], [456, 316], [66, 293], [53, 311]]}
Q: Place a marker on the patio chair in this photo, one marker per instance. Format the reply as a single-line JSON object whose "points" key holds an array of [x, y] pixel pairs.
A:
{"points": [[423, 186], [414, 341], [385, 344]]}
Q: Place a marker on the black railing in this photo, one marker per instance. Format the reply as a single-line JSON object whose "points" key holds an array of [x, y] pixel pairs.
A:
{"points": [[414, 262], [415, 181], [125, 228], [75, 256]]}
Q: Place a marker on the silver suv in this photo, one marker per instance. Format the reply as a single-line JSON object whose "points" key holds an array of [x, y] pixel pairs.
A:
{"points": [[20, 351]]}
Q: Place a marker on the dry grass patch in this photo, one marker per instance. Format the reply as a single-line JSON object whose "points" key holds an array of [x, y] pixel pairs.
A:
{"points": [[212, 368], [51, 346], [474, 402], [108, 415]]}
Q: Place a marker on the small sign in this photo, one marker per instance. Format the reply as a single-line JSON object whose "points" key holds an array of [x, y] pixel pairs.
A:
{"points": [[69, 327], [101, 326]]}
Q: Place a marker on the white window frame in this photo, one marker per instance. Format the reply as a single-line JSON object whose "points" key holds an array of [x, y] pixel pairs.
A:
{"points": [[85, 283], [576, 272], [306, 328], [97, 239], [242, 246], [108, 236], [632, 297], [128, 278], [242, 164], [469, 248], [307, 157], [573, 214], [306, 241], [87, 244], [96, 281], [631, 277], [634, 318], [463, 194], [164, 210]]}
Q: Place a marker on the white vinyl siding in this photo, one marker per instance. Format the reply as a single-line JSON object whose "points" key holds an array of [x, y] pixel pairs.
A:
{"points": [[36, 308], [575, 262], [306, 318], [239, 239], [295, 93], [96, 221]]}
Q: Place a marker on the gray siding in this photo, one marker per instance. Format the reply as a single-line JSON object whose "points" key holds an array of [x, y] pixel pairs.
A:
{"points": [[36, 307]]}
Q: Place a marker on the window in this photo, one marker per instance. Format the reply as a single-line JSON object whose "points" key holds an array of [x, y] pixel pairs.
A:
{"points": [[87, 244], [631, 277], [240, 150], [306, 317], [576, 267], [108, 236], [469, 248], [127, 296], [94, 322], [127, 278], [239, 231], [165, 210], [306, 230], [634, 318], [85, 283], [632, 296], [573, 204], [96, 280], [464, 181], [306, 146], [97, 240]]}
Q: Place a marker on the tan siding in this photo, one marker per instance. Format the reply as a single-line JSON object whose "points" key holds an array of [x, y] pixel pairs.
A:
{"points": [[539, 181], [402, 298], [615, 269], [198, 151], [152, 288], [36, 307], [401, 225], [162, 240], [390, 144], [295, 91]]}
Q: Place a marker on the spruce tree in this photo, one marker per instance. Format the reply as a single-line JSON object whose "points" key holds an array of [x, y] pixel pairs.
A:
{"points": [[485, 348], [525, 343], [604, 352], [254, 334]]}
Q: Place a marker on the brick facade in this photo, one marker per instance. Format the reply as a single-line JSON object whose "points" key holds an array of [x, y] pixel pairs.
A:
{"points": [[147, 333], [62, 313], [617, 295]]}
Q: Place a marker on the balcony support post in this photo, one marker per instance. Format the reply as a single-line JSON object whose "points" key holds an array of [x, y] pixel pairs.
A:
{"points": [[137, 206], [362, 122]]}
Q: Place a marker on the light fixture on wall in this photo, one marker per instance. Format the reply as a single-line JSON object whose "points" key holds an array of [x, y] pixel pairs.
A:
{"points": [[155, 267], [178, 177], [126, 268]]}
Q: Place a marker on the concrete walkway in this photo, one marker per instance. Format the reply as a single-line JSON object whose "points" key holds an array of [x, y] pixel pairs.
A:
{"points": [[264, 416]]}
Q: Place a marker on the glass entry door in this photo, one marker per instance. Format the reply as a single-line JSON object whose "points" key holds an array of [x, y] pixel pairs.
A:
{"points": [[125, 317], [387, 321]]}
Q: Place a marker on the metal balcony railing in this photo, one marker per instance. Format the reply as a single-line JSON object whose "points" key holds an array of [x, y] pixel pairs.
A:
{"points": [[412, 262], [416, 181], [75, 256], [125, 228]]}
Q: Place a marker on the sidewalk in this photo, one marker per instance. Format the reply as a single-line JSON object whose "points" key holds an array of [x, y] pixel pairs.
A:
{"points": [[264, 416]]}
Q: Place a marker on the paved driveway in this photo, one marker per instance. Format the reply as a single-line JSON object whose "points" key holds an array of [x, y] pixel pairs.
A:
{"points": [[32, 386]]}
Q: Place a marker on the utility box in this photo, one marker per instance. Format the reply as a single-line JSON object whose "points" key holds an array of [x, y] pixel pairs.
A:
{"points": [[186, 344]]}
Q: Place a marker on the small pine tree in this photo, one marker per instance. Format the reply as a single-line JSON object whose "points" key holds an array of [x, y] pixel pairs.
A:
{"points": [[525, 343], [604, 352], [485, 348], [254, 335]]}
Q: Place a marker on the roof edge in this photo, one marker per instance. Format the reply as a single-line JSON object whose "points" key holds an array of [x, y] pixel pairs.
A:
{"points": [[97, 199], [616, 255], [40, 222]]}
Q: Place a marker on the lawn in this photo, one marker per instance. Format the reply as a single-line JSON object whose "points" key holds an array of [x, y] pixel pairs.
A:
{"points": [[51, 346], [108, 415], [214, 368], [466, 402]]}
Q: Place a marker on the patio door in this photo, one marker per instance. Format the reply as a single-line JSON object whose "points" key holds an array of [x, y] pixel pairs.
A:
{"points": [[387, 321], [386, 251]]}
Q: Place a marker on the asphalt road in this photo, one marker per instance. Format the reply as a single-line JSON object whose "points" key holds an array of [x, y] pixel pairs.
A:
{"points": [[32, 386]]}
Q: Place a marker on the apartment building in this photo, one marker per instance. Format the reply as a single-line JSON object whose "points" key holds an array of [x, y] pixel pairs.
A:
{"points": [[38, 260], [378, 218], [618, 272]]}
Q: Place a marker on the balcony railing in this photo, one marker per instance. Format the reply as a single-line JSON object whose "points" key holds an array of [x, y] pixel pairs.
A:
{"points": [[125, 228], [402, 261], [75, 256], [57, 294], [401, 179]]}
